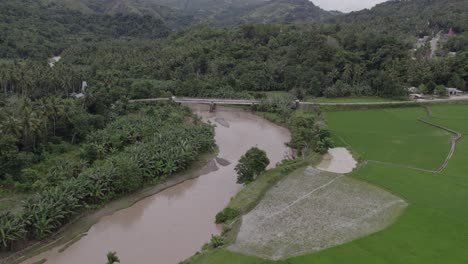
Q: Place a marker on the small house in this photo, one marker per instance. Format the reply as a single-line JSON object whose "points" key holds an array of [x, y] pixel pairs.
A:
{"points": [[454, 91]]}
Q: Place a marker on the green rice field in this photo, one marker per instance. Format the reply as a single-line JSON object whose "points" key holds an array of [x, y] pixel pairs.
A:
{"points": [[434, 227]]}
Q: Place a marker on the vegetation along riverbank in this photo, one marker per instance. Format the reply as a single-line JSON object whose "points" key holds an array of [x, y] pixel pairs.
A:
{"points": [[144, 146]]}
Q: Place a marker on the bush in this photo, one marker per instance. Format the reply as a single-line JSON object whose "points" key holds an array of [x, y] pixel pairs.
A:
{"points": [[217, 241], [12, 229], [440, 90], [226, 215], [307, 133], [251, 165]]}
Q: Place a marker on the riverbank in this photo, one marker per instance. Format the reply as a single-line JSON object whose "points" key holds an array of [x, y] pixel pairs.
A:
{"points": [[81, 224], [158, 225]]}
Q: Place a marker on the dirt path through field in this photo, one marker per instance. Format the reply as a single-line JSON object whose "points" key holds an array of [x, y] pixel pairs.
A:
{"points": [[455, 139]]}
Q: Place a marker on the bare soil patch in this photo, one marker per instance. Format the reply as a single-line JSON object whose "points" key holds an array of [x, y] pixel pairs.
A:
{"points": [[312, 210]]}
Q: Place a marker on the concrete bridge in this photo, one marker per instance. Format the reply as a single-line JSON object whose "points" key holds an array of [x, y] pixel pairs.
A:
{"points": [[213, 102]]}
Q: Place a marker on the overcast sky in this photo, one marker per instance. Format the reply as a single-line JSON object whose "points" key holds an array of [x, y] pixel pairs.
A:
{"points": [[346, 5]]}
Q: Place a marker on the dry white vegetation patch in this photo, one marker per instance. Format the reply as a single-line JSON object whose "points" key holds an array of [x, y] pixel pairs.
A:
{"points": [[312, 210]]}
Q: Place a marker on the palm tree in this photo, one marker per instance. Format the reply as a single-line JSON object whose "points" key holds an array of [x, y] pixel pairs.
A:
{"points": [[46, 110], [57, 110], [30, 122], [112, 258]]}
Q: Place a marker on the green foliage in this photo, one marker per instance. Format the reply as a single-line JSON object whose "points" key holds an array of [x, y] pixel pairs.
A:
{"points": [[112, 258], [137, 149], [251, 164], [12, 229], [416, 18], [458, 82], [217, 241], [422, 88], [308, 133], [440, 90], [30, 127], [53, 26], [278, 104], [458, 43], [226, 215]]}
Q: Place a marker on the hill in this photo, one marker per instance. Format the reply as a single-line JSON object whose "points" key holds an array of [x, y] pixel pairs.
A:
{"points": [[32, 29], [415, 17], [180, 13], [270, 12]]}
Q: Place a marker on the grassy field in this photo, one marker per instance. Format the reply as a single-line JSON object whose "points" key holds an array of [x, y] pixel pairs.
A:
{"points": [[352, 99], [363, 99], [391, 135], [453, 116], [434, 227]]}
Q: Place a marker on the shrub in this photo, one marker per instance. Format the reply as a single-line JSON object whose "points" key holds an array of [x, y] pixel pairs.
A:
{"points": [[12, 229], [217, 241], [226, 215], [440, 90]]}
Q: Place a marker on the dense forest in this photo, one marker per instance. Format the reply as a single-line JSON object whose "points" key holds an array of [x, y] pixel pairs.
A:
{"points": [[66, 154], [35, 29]]}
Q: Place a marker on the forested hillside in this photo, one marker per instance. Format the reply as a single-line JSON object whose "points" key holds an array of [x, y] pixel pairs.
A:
{"points": [[414, 17], [228, 13], [228, 62], [35, 29]]}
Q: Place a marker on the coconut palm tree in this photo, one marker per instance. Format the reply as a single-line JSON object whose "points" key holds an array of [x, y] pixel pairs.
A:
{"points": [[30, 122]]}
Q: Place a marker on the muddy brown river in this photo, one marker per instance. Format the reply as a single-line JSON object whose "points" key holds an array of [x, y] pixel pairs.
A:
{"points": [[172, 225]]}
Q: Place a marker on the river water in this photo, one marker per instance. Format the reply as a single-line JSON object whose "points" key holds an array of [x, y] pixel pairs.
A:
{"points": [[338, 160], [172, 225]]}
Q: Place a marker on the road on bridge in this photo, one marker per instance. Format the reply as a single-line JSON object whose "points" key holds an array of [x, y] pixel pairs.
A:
{"points": [[220, 101]]}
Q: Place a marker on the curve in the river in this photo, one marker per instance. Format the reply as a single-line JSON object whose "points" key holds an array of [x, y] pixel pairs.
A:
{"points": [[173, 225]]}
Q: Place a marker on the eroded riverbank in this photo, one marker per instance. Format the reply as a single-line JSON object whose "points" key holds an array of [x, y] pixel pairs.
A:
{"points": [[173, 224]]}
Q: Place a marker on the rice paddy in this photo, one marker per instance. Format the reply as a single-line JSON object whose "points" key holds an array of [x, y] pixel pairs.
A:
{"points": [[432, 229]]}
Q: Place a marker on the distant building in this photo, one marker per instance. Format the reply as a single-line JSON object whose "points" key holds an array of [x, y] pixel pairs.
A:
{"points": [[416, 96], [81, 94], [412, 90], [454, 91], [77, 95], [84, 85]]}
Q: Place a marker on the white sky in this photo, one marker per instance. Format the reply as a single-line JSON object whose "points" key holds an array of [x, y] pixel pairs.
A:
{"points": [[346, 5]]}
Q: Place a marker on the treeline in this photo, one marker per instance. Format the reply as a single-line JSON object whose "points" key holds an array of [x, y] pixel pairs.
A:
{"points": [[36, 79], [31, 128], [134, 150], [228, 62]]}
